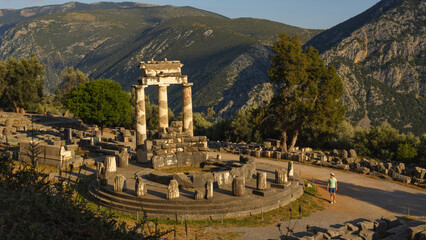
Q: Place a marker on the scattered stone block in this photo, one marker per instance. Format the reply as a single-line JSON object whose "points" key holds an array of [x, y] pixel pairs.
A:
{"points": [[239, 186], [333, 232], [380, 225], [368, 235], [140, 187], [352, 153], [363, 170], [400, 229], [344, 167], [401, 178], [350, 227], [173, 190], [119, 183], [366, 225]]}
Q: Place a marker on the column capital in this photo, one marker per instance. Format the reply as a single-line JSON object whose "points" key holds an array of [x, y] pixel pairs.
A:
{"points": [[163, 85], [187, 84], [139, 86]]}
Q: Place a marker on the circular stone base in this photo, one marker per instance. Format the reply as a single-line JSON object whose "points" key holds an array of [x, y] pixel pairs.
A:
{"points": [[222, 205]]}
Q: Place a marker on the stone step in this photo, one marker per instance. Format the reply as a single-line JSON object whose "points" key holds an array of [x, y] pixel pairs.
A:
{"points": [[187, 204], [136, 200], [245, 207]]}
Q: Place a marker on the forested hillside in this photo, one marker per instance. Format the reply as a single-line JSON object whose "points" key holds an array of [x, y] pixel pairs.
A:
{"points": [[226, 59]]}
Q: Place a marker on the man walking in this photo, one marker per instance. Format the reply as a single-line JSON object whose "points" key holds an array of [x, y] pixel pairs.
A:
{"points": [[332, 188]]}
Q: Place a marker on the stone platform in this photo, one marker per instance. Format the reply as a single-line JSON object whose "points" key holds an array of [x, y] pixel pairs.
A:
{"points": [[222, 205]]}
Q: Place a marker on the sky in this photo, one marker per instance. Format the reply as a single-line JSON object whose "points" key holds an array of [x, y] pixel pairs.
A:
{"points": [[316, 14]]}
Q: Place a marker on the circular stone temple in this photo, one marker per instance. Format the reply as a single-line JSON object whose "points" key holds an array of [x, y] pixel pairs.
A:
{"points": [[212, 188]]}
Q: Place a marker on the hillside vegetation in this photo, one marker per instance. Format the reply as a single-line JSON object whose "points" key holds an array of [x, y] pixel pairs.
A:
{"points": [[226, 58]]}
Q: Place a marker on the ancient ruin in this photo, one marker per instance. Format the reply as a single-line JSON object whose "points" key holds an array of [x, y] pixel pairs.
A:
{"points": [[176, 145]]}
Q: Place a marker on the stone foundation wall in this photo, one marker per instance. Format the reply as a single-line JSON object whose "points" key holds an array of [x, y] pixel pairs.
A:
{"points": [[177, 149]]}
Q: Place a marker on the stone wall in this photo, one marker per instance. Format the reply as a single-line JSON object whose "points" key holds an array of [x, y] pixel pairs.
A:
{"points": [[175, 149]]}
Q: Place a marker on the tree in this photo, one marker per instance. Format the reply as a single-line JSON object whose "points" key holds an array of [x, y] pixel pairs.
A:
{"points": [[100, 101], [21, 82], [70, 79], [309, 93]]}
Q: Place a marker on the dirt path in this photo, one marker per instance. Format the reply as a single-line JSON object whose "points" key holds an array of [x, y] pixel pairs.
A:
{"points": [[358, 197]]}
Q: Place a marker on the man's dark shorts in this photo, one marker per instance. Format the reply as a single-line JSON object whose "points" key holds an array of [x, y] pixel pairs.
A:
{"points": [[332, 190]]}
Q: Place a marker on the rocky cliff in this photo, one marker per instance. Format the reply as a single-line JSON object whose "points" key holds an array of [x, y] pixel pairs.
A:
{"points": [[380, 56]]}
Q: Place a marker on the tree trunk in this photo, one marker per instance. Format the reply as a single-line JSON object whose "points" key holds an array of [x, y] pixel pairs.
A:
{"points": [[293, 140], [284, 141]]}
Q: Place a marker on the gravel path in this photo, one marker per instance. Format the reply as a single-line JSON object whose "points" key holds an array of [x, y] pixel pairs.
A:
{"points": [[358, 197]]}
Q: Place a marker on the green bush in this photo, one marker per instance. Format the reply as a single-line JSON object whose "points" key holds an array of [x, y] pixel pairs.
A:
{"points": [[406, 152]]}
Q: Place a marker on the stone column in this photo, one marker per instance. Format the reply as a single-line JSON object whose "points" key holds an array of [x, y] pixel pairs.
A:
{"points": [[140, 115], [239, 186], [163, 109], [187, 108], [261, 180]]}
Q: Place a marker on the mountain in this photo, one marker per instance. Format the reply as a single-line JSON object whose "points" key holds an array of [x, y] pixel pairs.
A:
{"points": [[380, 56], [226, 59]]}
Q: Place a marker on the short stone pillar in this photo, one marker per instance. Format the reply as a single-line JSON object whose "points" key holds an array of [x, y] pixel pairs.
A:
{"points": [[209, 189], [239, 186], [198, 195], [261, 181], [119, 183], [163, 109], [101, 174], [140, 187], [123, 158], [173, 189], [140, 115], [281, 176], [99, 167], [68, 134], [110, 164], [290, 169], [188, 125]]}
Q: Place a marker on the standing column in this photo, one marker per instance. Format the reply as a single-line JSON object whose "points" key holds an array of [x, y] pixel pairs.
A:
{"points": [[163, 109], [187, 108], [140, 115]]}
